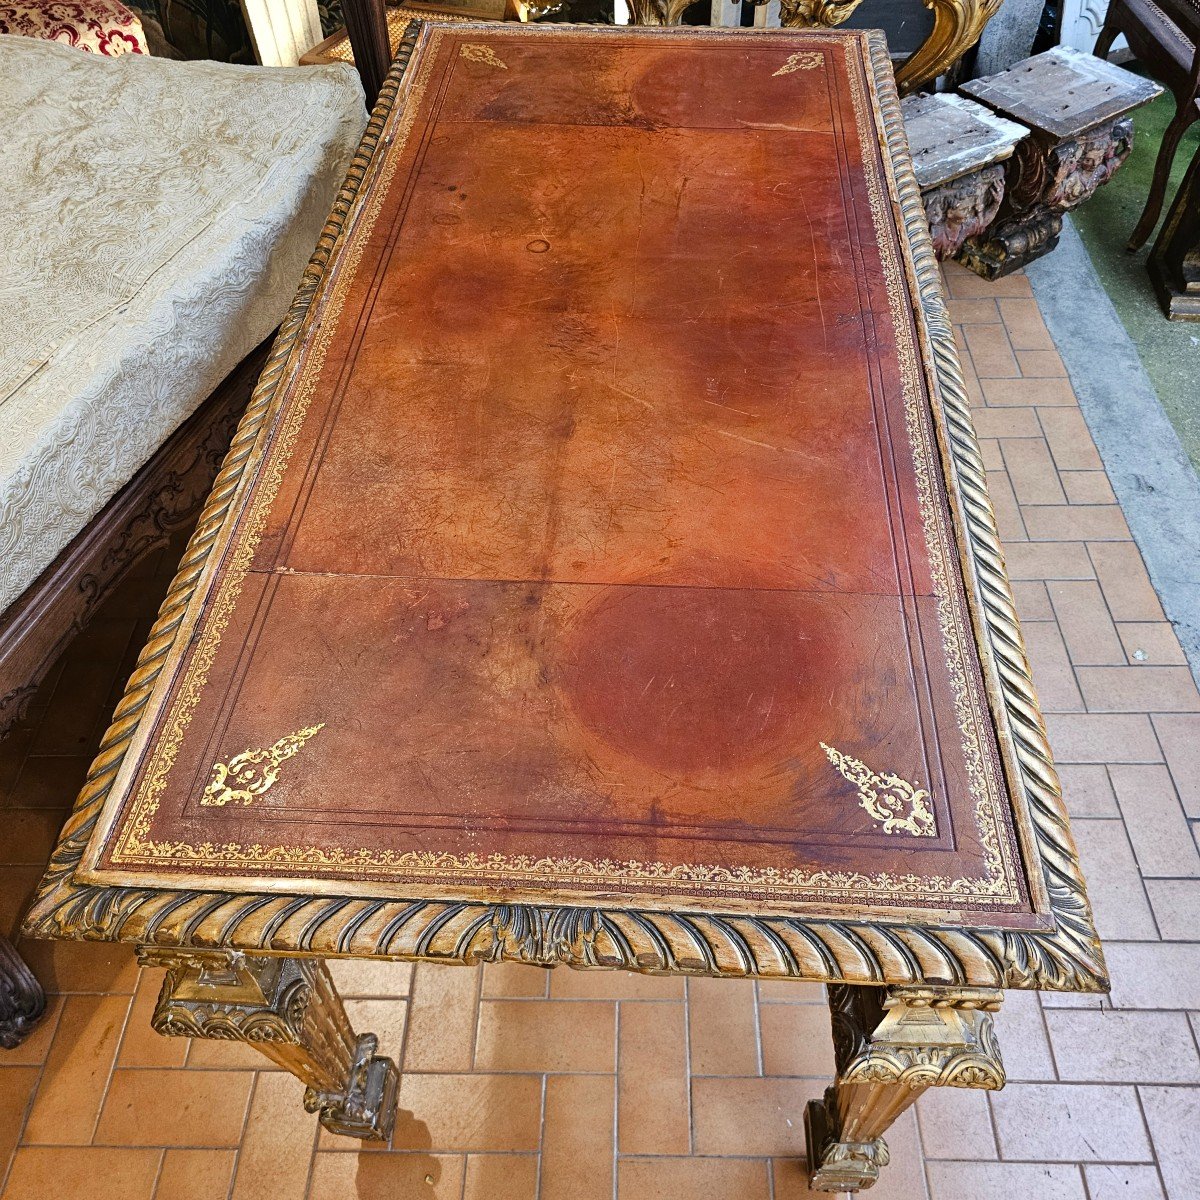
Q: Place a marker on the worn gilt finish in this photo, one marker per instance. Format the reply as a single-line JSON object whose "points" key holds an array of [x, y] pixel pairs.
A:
{"points": [[898, 805], [288, 1009], [890, 1045], [246, 964], [860, 950], [253, 772]]}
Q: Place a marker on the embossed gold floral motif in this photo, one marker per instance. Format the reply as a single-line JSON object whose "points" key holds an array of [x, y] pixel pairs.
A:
{"points": [[253, 772], [474, 52], [899, 806], [802, 60]]}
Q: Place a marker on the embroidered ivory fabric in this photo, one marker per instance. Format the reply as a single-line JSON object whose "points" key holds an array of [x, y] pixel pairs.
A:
{"points": [[157, 218]]}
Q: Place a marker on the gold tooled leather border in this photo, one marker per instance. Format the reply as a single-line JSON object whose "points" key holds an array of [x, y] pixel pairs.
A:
{"points": [[1064, 956], [134, 856]]}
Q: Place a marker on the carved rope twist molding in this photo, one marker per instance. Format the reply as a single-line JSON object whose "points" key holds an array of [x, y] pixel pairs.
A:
{"points": [[1072, 953], [655, 942]]}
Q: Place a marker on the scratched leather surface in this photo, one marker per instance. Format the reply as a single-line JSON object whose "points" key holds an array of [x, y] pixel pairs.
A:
{"points": [[605, 513]]}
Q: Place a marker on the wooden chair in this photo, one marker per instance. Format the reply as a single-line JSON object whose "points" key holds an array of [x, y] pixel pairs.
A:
{"points": [[366, 23], [1165, 36]]}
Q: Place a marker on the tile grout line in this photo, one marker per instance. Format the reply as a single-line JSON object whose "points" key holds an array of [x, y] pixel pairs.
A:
{"points": [[162, 1162], [33, 1095], [1137, 1092], [312, 1153], [474, 1032], [237, 1157], [541, 1140], [758, 1036], [616, 1096]]}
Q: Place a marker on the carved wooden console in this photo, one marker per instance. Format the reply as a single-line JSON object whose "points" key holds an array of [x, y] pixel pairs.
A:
{"points": [[958, 149], [1078, 110]]}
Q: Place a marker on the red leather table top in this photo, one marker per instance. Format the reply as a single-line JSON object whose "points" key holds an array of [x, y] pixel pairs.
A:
{"points": [[600, 546]]}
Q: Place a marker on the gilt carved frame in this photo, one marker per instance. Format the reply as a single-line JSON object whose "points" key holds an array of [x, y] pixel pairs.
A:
{"points": [[1065, 955], [957, 26]]}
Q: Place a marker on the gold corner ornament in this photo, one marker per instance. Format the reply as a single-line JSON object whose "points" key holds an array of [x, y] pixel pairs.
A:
{"points": [[474, 52], [899, 806], [802, 60], [253, 771]]}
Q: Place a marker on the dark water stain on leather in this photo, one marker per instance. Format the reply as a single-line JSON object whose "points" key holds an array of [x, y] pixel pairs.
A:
{"points": [[694, 680]]}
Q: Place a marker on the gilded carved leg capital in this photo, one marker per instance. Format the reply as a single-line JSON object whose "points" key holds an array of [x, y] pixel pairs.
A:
{"points": [[890, 1045], [288, 1009]]}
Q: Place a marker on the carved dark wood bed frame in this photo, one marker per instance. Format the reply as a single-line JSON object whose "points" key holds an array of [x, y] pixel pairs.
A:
{"points": [[163, 498]]}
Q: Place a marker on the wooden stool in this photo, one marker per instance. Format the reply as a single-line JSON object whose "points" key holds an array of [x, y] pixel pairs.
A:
{"points": [[958, 148], [1175, 264], [1077, 108]]}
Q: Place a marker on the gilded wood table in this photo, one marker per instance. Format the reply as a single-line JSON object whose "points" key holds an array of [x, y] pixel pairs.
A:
{"points": [[603, 576]]}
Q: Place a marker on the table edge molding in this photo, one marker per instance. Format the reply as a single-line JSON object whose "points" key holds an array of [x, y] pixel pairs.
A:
{"points": [[1068, 957]]}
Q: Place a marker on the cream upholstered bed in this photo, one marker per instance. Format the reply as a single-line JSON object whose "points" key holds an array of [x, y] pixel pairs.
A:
{"points": [[157, 216]]}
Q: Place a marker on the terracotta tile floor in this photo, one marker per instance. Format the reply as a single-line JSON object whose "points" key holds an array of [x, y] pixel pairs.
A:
{"points": [[521, 1083]]}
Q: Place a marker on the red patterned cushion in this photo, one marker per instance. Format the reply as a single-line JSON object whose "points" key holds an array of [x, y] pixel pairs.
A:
{"points": [[98, 26]]}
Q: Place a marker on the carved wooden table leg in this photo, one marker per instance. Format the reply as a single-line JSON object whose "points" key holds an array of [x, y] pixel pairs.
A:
{"points": [[22, 1000], [289, 1009], [890, 1045]]}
